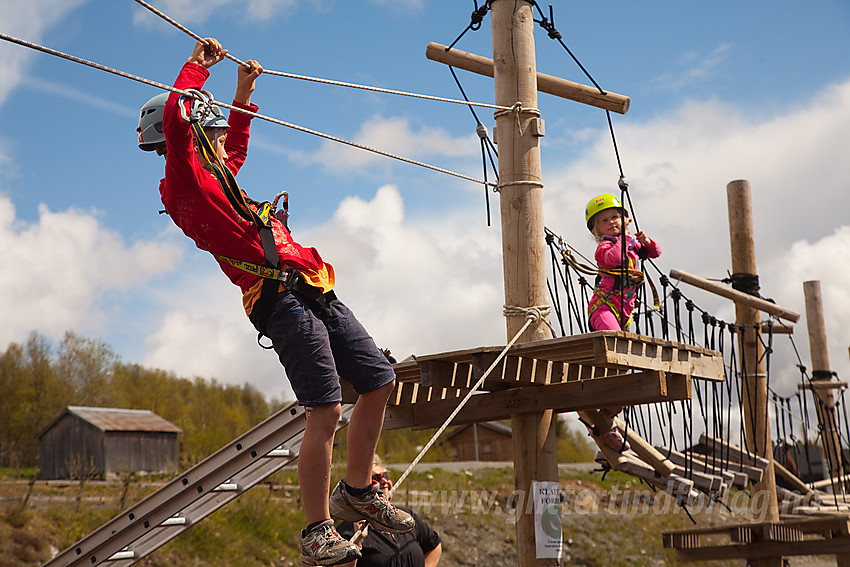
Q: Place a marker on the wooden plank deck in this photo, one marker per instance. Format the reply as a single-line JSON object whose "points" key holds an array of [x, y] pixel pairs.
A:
{"points": [[562, 359]]}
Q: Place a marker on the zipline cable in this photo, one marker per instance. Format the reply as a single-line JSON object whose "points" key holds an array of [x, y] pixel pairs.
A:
{"points": [[163, 86], [195, 36]]}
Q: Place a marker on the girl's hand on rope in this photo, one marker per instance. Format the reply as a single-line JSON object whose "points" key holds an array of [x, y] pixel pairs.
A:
{"points": [[207, 53], [246, 75], [641, 237]]}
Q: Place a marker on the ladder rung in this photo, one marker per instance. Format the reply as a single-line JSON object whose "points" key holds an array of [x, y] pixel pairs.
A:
{"points": [[280, 452]]}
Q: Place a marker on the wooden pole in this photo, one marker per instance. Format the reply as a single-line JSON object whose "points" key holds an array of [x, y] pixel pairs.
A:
{"points": [[823, 397], [523, 243], [756, 420], [545, 83]]}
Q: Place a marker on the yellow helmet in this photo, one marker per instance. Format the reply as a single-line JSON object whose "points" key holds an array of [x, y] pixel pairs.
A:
{"points": [[599, 204]]}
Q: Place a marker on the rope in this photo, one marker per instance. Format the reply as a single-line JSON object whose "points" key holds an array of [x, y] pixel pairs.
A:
{"points": [[517, 109], [126, 75], [316, 79], [498, 187], [532, 315]]}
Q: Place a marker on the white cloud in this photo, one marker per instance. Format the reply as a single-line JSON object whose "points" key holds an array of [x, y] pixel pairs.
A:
{"points": [[67, 272], [190, 12], [828, 261], [394, 135], [27, 21], [696, 68], [203, 331], [419, 287]]}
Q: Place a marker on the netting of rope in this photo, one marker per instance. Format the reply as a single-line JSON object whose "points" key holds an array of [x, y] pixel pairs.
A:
{"points": [[716, 408]]}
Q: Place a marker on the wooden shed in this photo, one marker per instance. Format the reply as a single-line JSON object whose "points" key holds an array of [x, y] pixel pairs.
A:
{"points": [[489, 441], [107, 442]]}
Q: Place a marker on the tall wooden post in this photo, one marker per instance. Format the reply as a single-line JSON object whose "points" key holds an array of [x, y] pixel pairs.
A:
{"points": [[523, 243], [821, 374], [756, 421]]}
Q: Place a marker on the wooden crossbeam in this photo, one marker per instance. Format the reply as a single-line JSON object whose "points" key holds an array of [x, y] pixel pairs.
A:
{"points": [[430, 410], [735, 295], [545, 83], [822, 385], [838, 525]]}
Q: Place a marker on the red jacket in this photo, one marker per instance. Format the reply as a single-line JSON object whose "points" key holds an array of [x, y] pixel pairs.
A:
{"points": [[197, 204]]}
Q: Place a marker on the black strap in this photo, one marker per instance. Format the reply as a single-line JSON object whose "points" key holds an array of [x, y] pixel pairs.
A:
{"points": [[264, 307]]}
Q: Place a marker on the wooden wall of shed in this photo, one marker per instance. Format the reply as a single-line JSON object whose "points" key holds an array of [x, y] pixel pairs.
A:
{"points": [[70, 448], [140, 451], [492, 446]]}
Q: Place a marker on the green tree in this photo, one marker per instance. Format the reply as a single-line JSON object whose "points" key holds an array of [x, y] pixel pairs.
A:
{"points": [[86, 365]]}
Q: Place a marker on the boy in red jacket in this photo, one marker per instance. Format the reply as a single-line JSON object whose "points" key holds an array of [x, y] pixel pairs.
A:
{"points": [[315, 335]]}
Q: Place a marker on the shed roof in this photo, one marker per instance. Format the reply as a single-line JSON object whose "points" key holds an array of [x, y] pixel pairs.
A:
{"points": [[115, 419]]}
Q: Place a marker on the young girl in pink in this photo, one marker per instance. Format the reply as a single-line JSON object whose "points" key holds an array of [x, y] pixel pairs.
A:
{"points": [[613, 299], [611, 306]]}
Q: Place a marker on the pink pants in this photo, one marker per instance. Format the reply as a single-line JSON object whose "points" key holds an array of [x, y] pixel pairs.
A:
{"points": [[603, 319]]}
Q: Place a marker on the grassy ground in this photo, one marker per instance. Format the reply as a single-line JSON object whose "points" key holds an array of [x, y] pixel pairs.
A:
{"points": [[608, 522]]}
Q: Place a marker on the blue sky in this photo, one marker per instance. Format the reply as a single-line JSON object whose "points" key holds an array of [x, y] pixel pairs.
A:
{"points": [[719, 91]]}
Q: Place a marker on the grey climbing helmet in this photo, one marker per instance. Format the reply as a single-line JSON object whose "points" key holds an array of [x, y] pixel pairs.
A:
{"points": [[150, 123]]}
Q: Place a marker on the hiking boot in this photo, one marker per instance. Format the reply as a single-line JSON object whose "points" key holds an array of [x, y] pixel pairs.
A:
{"points": [[372, 506], [323, 546], [615, 440]]}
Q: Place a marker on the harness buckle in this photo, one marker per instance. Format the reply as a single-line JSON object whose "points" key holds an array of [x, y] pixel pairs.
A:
{"points": [[289, 278]]}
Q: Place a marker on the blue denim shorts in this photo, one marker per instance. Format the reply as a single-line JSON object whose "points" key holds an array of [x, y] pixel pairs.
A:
{"points": [[316, 352]]}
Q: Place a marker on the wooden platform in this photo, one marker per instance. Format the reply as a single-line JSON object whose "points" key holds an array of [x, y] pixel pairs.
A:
{"points": [[827, 535], [572, 373], [576, 356]]}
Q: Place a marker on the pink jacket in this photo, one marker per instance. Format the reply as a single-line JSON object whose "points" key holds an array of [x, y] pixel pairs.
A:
{"points": [[609, 255]]}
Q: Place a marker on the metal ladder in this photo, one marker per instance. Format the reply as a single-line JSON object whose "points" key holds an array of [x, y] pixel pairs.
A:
{"points": [[195, 494]]}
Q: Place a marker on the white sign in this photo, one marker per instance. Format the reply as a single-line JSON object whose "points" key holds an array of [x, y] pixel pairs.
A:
{"points": [[547, 519]]}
